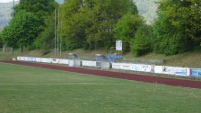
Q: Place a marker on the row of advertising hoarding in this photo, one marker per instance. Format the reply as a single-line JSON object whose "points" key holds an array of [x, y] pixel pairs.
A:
{"points": [[166, 70], [180, 71], [86, 63], [44, 60]]}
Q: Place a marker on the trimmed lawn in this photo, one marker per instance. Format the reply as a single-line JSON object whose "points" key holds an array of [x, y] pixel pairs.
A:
{"points": [[34, 90]]}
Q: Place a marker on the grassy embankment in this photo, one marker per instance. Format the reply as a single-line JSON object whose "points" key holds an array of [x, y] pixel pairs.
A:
{"points": [[189, 59]]}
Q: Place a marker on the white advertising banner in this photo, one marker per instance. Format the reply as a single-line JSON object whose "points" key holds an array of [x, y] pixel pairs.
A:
{"points": [[165, 70], [25, 59], [21, 58], [116, 65], [46, 60], [142, 67], [172, 70], [38, 59], [63, 61], [125, 66], [135, 67], [158, 69], [31, 59], [89, 63], [182, 71], [55, 61], [28, 59]]}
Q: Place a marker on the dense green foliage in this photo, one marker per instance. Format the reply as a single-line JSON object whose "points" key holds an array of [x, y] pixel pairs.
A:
{"points": [[28, 23], [90, 23], [21, 31], [142, 43], [177, 28], [126, 28], [45, 40]]}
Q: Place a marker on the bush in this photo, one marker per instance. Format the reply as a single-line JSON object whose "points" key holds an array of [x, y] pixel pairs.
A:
{"points": [[141, 43]]}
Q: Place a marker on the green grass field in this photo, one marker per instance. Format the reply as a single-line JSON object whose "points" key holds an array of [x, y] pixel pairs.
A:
{"points": [[34, 90]]}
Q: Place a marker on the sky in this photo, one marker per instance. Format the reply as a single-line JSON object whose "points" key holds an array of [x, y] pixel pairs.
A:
{"points": [[5, 1]]}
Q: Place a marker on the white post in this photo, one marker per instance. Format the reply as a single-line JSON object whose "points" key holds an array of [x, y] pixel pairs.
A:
{"points": [[60, 46], [4, 48]]}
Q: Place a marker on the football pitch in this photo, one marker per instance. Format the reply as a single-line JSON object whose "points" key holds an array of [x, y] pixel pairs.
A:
{"points": [[37, 90]]}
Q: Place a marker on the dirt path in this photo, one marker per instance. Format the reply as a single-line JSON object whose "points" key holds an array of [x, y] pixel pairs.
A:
{"points": [[128, 76]]}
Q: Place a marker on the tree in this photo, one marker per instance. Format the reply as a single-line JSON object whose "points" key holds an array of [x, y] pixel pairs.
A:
{"points": [[141, 44], [73, 24], [40, 8], [46, 39], [28, 22], [104, 16], [22, 30], [192, 14], [126, 28], [90, 23], [177, 28]]}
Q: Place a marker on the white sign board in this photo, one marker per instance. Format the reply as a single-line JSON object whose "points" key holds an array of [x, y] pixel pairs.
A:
{"points": [[142, 67], [116, 65], [88, 63], [180, 71], [118, 45], [125, 66]]}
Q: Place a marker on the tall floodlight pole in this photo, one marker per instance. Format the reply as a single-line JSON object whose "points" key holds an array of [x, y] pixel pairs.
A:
{"points": [[13, 5], [59, 32], [55, 31], [13, 11]]}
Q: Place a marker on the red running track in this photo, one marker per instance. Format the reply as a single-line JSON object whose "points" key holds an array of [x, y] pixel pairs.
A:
{"points": [[128, 76]]}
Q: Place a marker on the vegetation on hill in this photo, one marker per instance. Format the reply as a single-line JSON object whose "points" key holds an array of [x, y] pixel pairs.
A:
{"points": [[177, 28], [91, 25]]}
